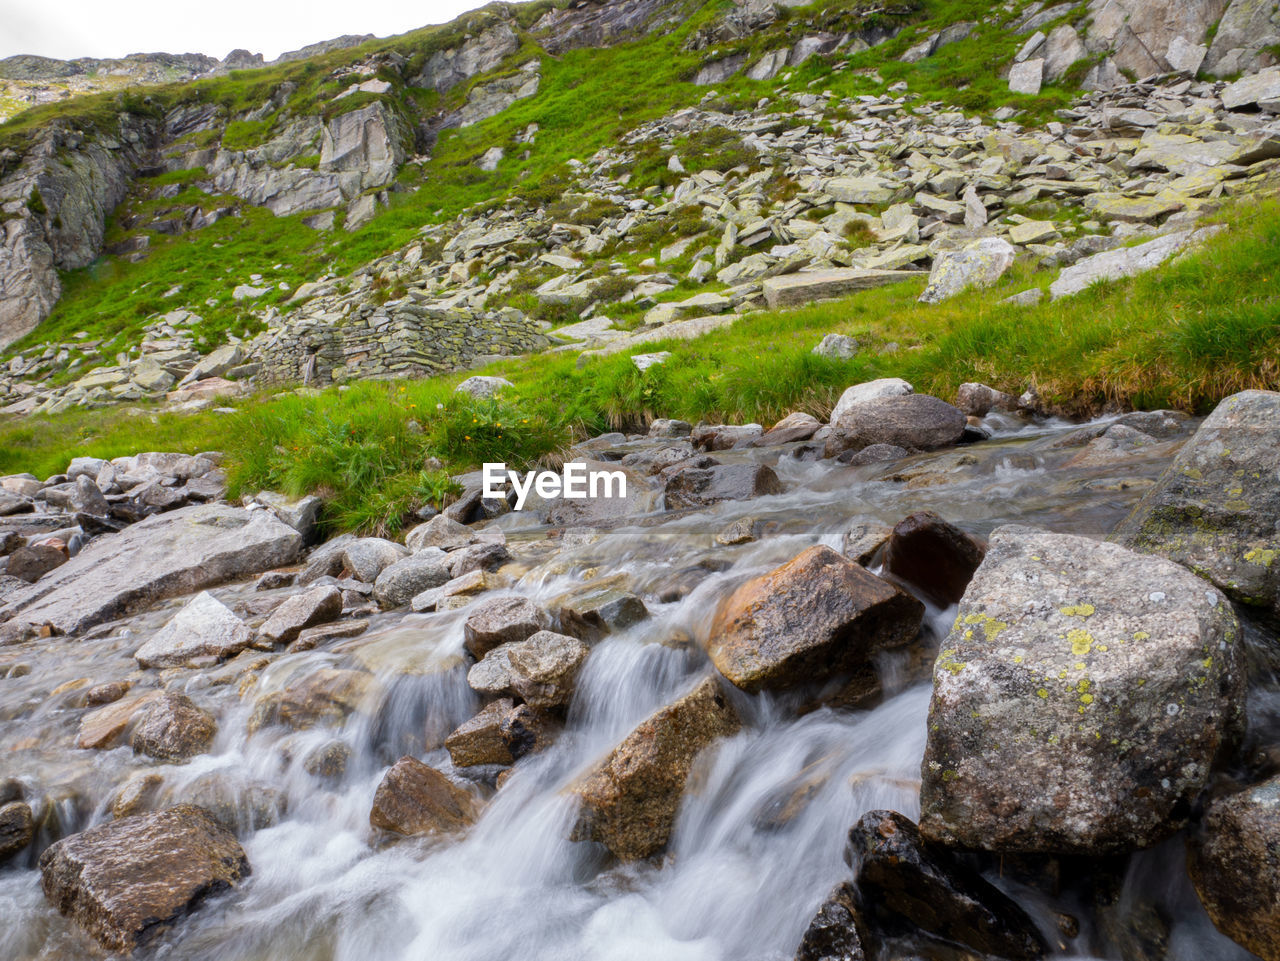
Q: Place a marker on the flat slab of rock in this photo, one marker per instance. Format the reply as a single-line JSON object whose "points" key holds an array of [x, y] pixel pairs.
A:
{"points": [[1216, 510], [1236, 870], [791, 290], [126, 881], [630, 800], [1079, 701], [205, 627], [1125, 261], [817, 616], [162, 556], [414, 798]]}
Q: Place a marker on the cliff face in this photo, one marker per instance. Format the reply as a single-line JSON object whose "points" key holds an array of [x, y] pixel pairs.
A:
{"points": [[55, 204]]}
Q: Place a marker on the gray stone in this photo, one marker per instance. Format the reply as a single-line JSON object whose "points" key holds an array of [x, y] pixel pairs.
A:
{"points": [[1026, 77], [205, 627], [540, 670], [1125, 261], [913, 421], [502, 620], [367, 557], [1080, 701], [398, 584], [837, 347], [316, 606], [162, 556], [441, 532], [483, 386], [172, 728], [859, 394], [980, 264], [704, 486], [1216, 510]]}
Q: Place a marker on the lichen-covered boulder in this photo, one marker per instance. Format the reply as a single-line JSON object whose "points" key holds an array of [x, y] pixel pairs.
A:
{"points": [[1216, 509], [1235, 865], [979, 264], [817, 616], [1080, 700], [631, 798], [125, 881]]}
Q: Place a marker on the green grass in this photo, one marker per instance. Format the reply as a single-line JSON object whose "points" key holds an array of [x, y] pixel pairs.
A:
{"points": [[1183, 336]]}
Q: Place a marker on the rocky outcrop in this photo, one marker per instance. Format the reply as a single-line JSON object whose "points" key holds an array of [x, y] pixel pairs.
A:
{"points": [[629, 801], [1139, 36], [817, 617], [1216, 510], [126, 881], [1080, 701], [163, 556], [54, 207], [596, 25], [1246, 39], [369, 142], [445, 69]]}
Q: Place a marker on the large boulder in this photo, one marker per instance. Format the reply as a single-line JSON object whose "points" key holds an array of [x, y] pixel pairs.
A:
{"points": [[704, 486], [931, 887], [911, 421], [815, 617], [979, 264], [1080, 701], [163, 556], [1216, 509], [414, 798], [629, 801], [205, 627], [126, 881], [858, 394], [1235, 865], [442, 532]]}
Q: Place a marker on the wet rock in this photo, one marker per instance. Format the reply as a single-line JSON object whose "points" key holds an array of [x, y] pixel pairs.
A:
{"points": [[702, 487], [33, 562], [414, 798], [1080, 700], [107, 693], [540, 670], [317, 606], [712, 437], [483, 739], [502, 620], [173, 728], [1216, 510], [622, 499], [126, 881], [833, 934], [817, 616], [873, 454], [162, 556], [136, 796], [601, 612], [205, 627], [899, 872], [17, 828], [441, 532], [367, 557], [326, 696], [913, 421], [398, 584], [978, 400], [1235, 865], [934, 556], [863, 538], [477, 557], [103, 728], [475, 582], [314, 637], [630, 800], [741, 531], [328, 762], [234, 801]]}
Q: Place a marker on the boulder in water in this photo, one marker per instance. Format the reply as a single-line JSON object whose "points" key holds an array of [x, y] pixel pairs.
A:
{"points": [[126, 881], [172, 728], [205, 627], [934, 556], [540, 670], [502, 620], [1235, 864], [929, 886], [911, 421], [833, 933], [319, 605], [1080, 700], [400, 583], [1216, 510], [414, 798], [704, 486], [817, 616], [17, 828], [630, 799]]}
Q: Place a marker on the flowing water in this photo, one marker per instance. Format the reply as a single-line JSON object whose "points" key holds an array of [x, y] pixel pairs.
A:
{"points": [[760, 836]]}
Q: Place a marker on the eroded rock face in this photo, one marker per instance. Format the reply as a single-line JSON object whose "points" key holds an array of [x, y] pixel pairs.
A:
{"points": [[126, 881], [1216, 510], [166, 555], [414, 798], [817, 616], [1235, 864], [630, 800], [934, 890], [1080, 700]]}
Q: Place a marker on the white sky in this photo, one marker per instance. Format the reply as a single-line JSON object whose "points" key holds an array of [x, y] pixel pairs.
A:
{"points": [[66, 29]]}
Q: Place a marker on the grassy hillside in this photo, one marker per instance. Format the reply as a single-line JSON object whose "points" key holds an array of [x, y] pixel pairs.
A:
{"points": [[1198, 329]]}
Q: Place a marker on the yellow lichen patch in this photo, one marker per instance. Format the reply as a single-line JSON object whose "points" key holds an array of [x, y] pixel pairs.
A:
{"points": [[1140, 635], [1081, 641], [947, 662], [1017, 659], [1042, 693], [990, 626], [1079, 665], [1077, 610], [1086, 698], [1261, 556]]}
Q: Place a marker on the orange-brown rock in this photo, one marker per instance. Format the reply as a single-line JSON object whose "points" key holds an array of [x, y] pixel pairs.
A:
{"points": [[415, 798]]}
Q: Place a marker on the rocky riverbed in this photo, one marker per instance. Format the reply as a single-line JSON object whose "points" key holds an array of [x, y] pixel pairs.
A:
{"points": [[929, 680]]}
